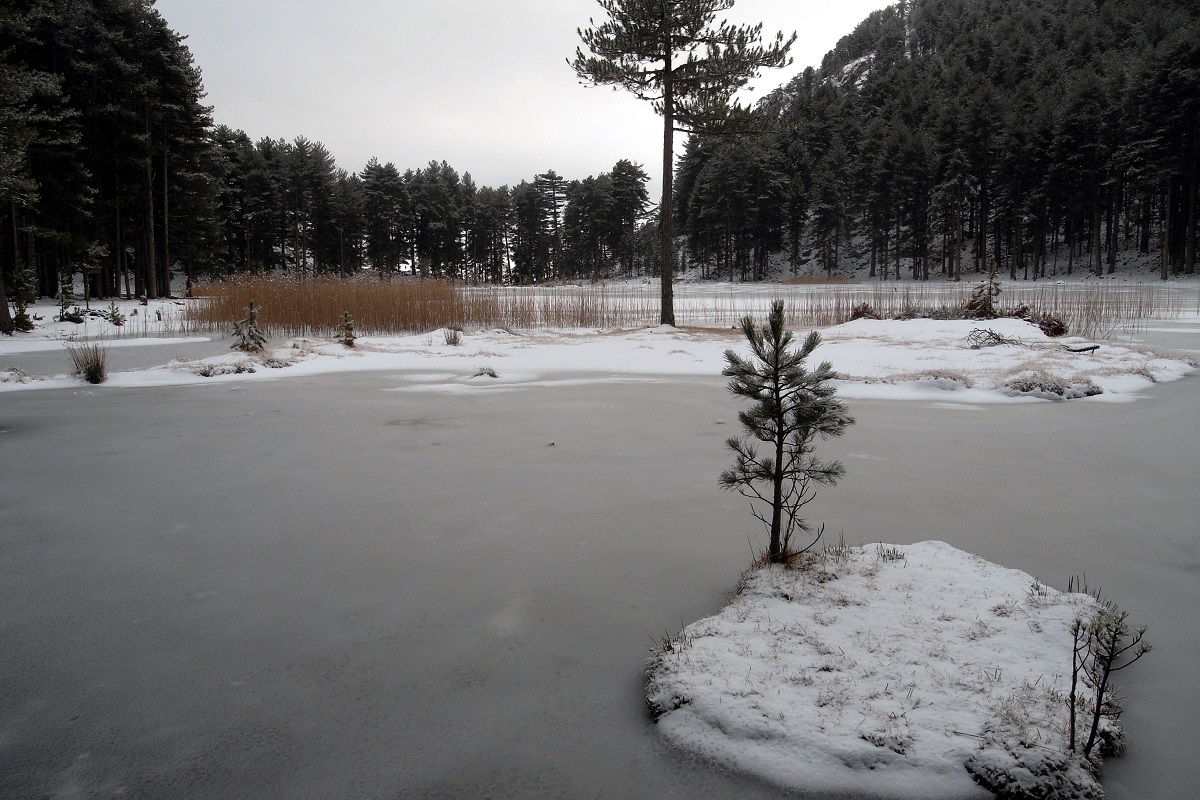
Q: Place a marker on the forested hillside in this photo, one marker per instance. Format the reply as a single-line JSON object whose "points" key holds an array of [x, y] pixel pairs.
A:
{"points": [[106, 162], [1040, 136], [940, 136]]}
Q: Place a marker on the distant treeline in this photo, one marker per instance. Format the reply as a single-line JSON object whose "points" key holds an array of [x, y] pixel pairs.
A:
{"points": [[110, 165], [285, 206], [941, 135], [1033, 135]]}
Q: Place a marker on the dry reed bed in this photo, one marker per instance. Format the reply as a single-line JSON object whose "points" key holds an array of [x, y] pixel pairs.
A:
{"points": [[313, 306]]}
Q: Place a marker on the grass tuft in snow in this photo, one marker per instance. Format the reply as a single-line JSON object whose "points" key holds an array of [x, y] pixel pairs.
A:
{"points": [[90, 360]]}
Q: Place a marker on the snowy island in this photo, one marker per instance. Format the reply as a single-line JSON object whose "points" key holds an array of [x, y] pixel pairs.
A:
{"points": [[899, 671]]}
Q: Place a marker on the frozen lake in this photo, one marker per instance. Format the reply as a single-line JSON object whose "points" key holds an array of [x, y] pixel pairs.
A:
{"points": [[320, 587]]}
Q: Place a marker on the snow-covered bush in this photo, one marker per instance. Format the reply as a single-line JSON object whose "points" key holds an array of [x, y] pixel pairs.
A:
{"points": [[864, 311], [250, 338], [114, 315], [1041, 384], [982, 302], [211, 370], [1016, 771], [345, 332]]}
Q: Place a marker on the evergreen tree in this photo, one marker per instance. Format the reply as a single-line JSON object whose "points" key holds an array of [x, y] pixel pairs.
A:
{"points": [[629, 201], [587, 221], [387, 213], [792, 407], [487, 233], [671, 53], [125, 165]]}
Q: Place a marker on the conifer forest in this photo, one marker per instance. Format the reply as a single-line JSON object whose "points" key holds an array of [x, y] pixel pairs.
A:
{"points": [[940, 137]]}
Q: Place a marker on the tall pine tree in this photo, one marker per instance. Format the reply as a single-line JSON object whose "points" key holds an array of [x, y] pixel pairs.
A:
{"points": [[673, 54]]}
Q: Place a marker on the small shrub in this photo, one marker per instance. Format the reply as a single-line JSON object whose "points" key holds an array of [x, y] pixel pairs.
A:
{"points": [[212, 370], [90, 361], [1042, 385], [452, 336], [943, 311], [1104, 644], [250, 338], [1014, 771], [114, 315], [25, 294], [1051, 325], [864, 311], [74, 315], [982, 302], [485, 371], [346, 330]]}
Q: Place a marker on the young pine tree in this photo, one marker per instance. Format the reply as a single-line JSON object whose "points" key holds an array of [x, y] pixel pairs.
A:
{"points": [[250, 338], [345, 331], [792, 407]]}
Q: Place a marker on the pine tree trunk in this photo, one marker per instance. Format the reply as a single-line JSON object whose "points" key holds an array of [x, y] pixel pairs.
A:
{"points": [[897, 247], [166, 218], [149, 268], [1166, 230], [6, 321], [776, 552], [1189, 257], [667, 269], [1113, 227]]}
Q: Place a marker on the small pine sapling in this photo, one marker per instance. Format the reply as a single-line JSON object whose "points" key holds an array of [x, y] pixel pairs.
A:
{"points": [[25, 295], [250, 338], [982, 303], [792, 407], [1102, 645], [346, 330], [114, 314], [66, 295]]}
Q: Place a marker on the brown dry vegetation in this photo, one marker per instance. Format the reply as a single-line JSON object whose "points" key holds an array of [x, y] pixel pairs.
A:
{"points": [[314, 306]]}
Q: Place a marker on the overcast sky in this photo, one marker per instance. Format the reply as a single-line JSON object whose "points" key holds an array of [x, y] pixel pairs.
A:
{"points": [[482, 84]]}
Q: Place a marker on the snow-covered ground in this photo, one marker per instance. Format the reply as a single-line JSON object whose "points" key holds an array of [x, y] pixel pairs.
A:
{"points": [[916, 358], [883, 669], [922, 651]]}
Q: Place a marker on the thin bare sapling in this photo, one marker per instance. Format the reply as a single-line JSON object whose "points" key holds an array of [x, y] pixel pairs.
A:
{"points": [[1102, 645]]}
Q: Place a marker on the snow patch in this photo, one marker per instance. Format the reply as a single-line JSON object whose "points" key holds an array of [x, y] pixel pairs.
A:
{"points": [[885, 669]]}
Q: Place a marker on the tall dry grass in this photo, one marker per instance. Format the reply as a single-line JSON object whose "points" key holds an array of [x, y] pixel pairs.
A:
{"points": [[314, 306]]}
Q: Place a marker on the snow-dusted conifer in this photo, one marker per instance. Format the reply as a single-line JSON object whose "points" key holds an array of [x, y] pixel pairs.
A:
{"points": [[249, 337], [792, 406], [346, 330]]}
